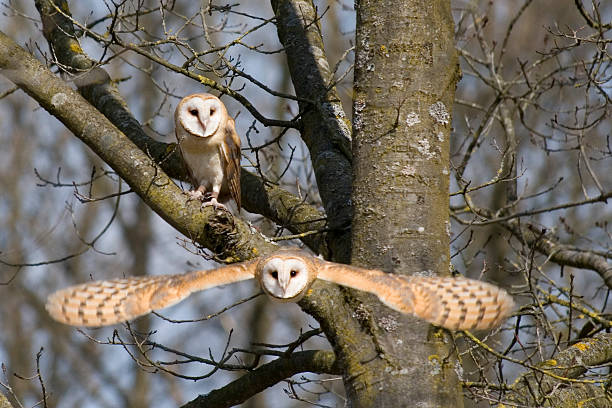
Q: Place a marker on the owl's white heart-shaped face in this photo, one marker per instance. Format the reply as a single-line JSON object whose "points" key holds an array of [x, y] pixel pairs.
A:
{"points": [[285, 278], [200, 115]]}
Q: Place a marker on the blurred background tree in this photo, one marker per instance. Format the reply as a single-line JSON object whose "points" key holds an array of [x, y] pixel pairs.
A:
{"points": [[529, 162]]}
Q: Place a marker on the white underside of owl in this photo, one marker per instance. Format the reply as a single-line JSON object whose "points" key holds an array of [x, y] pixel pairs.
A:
{"points": [[206, 166]]}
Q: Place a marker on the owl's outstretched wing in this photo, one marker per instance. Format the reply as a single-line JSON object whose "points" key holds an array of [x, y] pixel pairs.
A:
{"points": [[453, 303], [103, 303]]}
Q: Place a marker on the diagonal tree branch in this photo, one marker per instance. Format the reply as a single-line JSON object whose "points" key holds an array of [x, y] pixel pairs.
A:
{"points": [[541, 390], [558, 253], [326, 129], [267, 375], [286, 210]]}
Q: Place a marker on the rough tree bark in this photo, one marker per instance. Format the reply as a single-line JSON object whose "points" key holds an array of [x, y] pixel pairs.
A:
{"points": [[406, 70]]}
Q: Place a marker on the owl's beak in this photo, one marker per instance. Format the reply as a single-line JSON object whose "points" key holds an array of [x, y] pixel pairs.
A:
{"points": [[283, 281], [203, 123]]}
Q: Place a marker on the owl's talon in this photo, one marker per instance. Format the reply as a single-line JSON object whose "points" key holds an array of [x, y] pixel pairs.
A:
{"points": [[216, 205]]}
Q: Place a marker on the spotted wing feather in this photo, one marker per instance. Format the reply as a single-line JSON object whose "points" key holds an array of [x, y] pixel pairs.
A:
{"points": [[459, 303], [114, 301], [107, 302], [453, 303]]}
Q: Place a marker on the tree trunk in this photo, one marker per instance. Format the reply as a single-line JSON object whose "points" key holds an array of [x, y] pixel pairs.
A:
{"points": [[406, 70]]}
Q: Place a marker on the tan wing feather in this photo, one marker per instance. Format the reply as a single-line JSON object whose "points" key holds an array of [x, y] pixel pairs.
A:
{"points": [[103, 303], [453, 303], [230, 151]]}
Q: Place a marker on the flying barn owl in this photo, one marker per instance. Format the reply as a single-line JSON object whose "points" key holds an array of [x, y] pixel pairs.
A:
{"points": [[286, 276], [210, 147]]}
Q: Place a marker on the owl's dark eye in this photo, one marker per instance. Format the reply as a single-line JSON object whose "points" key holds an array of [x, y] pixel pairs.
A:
{"points": [[212, 111], [293, 273], [274, 274], [194, 112]]}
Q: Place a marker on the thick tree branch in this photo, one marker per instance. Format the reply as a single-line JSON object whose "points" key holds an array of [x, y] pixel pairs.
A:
{"points": [[267, 375], [326, 129], [542, 390], [326, 132], [286, 210], [231, 239]]}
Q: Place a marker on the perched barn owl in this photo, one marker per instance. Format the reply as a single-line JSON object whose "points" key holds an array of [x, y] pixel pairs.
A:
{"points": [[286, 276], [210, 148]]}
